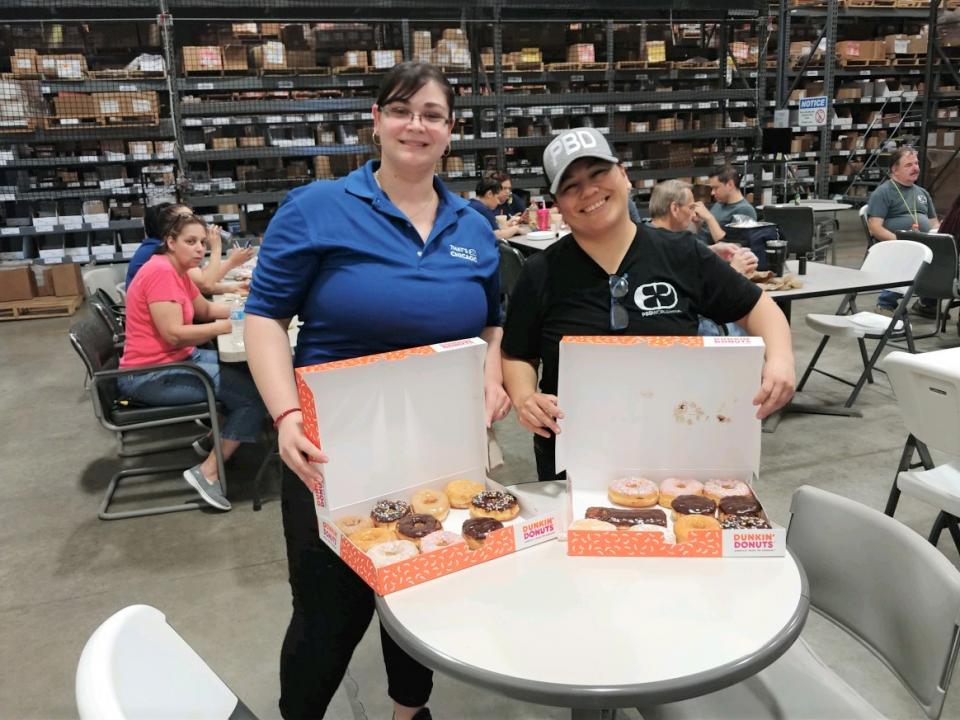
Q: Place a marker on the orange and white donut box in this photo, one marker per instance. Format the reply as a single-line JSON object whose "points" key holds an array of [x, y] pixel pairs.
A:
{"points": [[648, 420], [395, 424]]}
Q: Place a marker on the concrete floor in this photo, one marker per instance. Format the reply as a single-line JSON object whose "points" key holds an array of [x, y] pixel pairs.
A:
{"points": [[221, 578]]}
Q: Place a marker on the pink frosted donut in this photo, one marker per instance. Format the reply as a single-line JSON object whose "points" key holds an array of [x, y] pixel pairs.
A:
{"points": [[633, 492], [439, 540], [716, 489], [671, 487]]}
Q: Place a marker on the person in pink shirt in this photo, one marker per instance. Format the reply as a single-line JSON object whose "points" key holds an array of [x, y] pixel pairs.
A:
{"points": [[166, 318]]}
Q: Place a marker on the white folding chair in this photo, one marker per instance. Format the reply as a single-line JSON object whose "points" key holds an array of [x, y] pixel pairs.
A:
{"points": [[875, 579], [928, 395], [122, 292], [891, 257], [136, 666], [104, 278]]}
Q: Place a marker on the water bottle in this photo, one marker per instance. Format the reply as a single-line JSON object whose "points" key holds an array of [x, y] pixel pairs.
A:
{"points": [[236, 321]]}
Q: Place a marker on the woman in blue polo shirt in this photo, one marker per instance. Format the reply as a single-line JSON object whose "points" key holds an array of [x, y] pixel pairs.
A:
{"points": [[382, 259]]}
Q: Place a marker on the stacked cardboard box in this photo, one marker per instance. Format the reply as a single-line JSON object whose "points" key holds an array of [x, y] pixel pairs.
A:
{"points": [[350, 59], [270, 55], [64, 67], [865, 50], [423, 46], [385, 59], [202, 58]]}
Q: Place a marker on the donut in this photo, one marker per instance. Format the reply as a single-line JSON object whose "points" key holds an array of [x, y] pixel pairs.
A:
{"points": [[494, 504], [624, 518], [351, 523], [744, 522], [693, 505], [633, 492], [686, 523], [738, 505], [475, 530], [460, 492], [368, 537], [671, 487], [391, 552], [387, 513], [717, 490], [430, 502], [591, 525], [439, 540], [416, 525], [665, 534]]}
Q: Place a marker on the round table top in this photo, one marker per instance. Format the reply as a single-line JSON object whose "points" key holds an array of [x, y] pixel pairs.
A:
{"points": [[817, 205], [597, 632]]}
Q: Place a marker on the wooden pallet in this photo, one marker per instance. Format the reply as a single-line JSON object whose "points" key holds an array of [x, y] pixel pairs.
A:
{"points": [[351, 70], [869, 3], [219, 72], [122, 74], [635, 64], [684, 65], [917, 59], [576, 67], [42, 307], [855, 63], [116, 120], [911, 3], [277, 71], [523, 67], [451, 68]]}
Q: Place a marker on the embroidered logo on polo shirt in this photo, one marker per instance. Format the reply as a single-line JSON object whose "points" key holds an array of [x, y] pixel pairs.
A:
{"points": [[656, 298], [464, 253]]}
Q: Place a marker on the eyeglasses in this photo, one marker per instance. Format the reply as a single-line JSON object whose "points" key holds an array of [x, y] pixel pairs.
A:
{"points": [[432, 118], [619, 287]]}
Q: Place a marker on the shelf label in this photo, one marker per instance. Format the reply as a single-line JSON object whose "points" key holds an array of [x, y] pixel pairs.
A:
{"points": [[453, 80], [701, 76], [52, 261], [9, 231], [556, 111], [254, 207], [576, 78], [128, 88], [708, 105], [354, 83], [284, 84], [45, 89], [866, 72], [624, 108], [204, 86], [666, 106], [815, 73], [101, 225]]}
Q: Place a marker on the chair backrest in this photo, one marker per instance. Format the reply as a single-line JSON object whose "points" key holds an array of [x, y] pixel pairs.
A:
{"points": [[927, 387], [511, 263], [797, 226], [93, 341], [862, 212], [898, 257], [135, 666], [107, 299], [104, 278], [122, 292], [107, 315], [883, 583], [937, 280]]}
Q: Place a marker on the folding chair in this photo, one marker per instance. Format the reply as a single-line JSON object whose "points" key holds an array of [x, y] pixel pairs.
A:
{"points": [[511, 263], [113, 322], [862, 212], [928, 395], [804, 236], [136, 666], [876, 580], [940, 280], [101, 278], [889, 257]]}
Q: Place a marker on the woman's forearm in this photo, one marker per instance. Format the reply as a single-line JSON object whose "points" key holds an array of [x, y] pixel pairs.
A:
{"points": [[271, 362], [519, 379], [492, 370]]}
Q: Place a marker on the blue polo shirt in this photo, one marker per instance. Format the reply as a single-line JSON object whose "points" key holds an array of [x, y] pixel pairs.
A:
{"points": [[349, 263], [489, 214], [147, 249]]}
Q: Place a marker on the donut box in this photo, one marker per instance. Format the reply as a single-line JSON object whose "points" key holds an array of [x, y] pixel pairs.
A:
{"points": [[395, 424], [661, 409]]}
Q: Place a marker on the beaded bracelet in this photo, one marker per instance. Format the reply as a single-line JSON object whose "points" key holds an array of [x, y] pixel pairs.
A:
{"points": [[281, 416]]}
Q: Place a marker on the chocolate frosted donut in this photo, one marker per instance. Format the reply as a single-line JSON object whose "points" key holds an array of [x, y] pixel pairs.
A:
{"points": [[475, 530], [738, 505], [627, 517], [493, 500], [744, 522], [389, 511], [416, 526], [693, 505]]}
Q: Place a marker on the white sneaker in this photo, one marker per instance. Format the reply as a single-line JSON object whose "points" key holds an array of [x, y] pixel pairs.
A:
{"points": [[212, 494]]}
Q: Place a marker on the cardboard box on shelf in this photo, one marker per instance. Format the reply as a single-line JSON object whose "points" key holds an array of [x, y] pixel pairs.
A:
{"points": [[453, 34], [296, 36], [138, 103], [234, 57], [24, 61], [77, 105], [385, 59], [670, 428], [849, 91], [17, 284], [321, 167], [67, 280], [224, 143], [251, 141], [244, 28], [140, 147], [350, 58], [65, 67], [656, 51], [269, 56], [581, 53], [270, 29], [861, 50], [349, 404], [202, 58], [301, 58], [905, 44]]}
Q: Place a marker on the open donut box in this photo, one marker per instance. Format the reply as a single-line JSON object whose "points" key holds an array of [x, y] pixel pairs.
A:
{"points": [[660, 407], [396, 423]]}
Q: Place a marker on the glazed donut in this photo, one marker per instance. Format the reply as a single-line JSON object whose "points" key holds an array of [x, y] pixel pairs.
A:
{"points": [[744, 522], [430, 502], [387, 513], [494, 504], [671, 487], [624, 518], [737, 506], [686, 523], [475, 530], [460, 492], [392, 552], [591, 525], [693, 505], [633, 492], [439, 540], [349, 524], [717, 490], [415, 526], [367, 538], [665, 534]]}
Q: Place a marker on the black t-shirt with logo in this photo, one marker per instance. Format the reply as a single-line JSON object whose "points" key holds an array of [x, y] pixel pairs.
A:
{"points": [[672, 280]]}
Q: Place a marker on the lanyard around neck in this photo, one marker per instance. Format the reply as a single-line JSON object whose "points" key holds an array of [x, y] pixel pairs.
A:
{"points": [[915, 216]]}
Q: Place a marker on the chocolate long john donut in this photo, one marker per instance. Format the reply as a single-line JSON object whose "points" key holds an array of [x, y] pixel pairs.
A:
{"points": [[624, 517]]}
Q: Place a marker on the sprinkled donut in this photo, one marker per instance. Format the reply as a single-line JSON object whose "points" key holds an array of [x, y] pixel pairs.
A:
{"points": [[744, 522], [416, 525], [671, 487], [717, 490], [392, 552], [387, 513], [633, 492], [494, 504], [439, 540]]}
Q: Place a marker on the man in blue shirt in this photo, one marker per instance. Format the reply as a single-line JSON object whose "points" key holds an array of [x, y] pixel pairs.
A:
{"points": [[486, 202], [511, 202]]}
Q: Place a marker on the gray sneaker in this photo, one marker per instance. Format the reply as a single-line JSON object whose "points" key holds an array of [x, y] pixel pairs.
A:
{"points": [[203, 445], [212, 494]]}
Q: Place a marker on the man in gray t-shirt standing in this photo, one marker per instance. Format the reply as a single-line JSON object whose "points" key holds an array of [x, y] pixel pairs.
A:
{"points": [[725, 186], [900, 204]]}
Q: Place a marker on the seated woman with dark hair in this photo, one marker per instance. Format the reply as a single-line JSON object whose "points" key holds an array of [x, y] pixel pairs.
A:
{"points": [[163, 304]]}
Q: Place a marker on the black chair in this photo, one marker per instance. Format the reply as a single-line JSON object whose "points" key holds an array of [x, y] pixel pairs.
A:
{"points": [[92, 340], [109, 318], [940, 280], [804, 236], [511, 263]]}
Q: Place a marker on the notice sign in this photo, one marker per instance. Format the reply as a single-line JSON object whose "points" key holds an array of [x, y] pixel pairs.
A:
{"points": [[813, 111]]}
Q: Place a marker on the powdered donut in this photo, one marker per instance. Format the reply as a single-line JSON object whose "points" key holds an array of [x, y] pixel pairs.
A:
{"points": [[633, 492], [430, 502], [392, 552], [439, 540], [717, 490], [671, 487]]}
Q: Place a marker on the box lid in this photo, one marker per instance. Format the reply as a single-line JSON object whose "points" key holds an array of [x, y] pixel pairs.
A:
{"points": [[659, 402], [397, 419]]}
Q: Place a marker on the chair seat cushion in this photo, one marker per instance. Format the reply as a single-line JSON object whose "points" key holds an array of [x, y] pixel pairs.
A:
{"points": [[133, 414], [797, 686], [861, 324], [939, 487]]}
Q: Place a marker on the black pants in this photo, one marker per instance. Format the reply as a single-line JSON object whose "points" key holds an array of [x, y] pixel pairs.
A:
{"points": [[332, 608], [544, 451]]}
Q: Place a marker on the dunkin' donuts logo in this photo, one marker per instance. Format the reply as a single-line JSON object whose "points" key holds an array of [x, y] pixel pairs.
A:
{"points": [[329, 533], [539, 529], [319, 494], [754, 541]]}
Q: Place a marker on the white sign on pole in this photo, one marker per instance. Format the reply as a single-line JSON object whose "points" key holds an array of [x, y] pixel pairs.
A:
{"points": [[813, 111], [781, 118]]}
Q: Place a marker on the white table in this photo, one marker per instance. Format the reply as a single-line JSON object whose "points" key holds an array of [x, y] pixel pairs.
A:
{"points": [[817, 205], [229, 351], [523, 242], [594, 633]]}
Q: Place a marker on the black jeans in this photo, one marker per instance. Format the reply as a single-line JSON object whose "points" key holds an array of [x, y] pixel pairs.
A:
{"points": [[332, 608], [544, 450]]}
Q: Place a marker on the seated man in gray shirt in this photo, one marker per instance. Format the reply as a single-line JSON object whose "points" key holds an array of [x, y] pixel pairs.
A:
{"points": [[725, 184]]}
